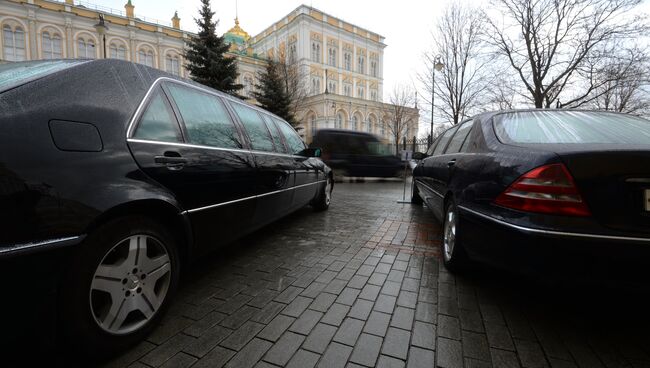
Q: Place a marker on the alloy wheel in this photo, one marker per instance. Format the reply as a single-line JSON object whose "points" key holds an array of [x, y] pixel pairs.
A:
{"points": [[130, 284], [449, 240]]}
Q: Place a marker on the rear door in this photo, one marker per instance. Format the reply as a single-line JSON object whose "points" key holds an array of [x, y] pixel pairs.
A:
{"points": [[203, 162], [309, 171], [455, 161], [275, 169]]}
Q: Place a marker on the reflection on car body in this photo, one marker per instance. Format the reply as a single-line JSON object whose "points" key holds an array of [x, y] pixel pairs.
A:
{"points": [[539, 190], [118, 180]]}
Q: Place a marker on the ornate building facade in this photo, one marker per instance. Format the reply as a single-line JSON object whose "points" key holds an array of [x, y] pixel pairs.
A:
{"points": [[340, 64]]}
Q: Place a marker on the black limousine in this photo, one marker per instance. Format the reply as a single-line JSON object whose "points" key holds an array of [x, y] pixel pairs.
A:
{"points": [[114, 177], [563, 191]]}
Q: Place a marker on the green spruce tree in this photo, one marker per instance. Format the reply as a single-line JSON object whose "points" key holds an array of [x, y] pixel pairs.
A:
{"points": [[206, 59], [271, 93]]}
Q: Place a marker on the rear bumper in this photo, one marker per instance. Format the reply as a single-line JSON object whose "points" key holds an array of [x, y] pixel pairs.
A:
{"points": [[592, 257]]}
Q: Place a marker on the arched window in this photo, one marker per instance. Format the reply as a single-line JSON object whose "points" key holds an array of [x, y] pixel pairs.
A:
{"points": [[145, 56], [353, 123], [331, 87], [292, 53], [339, 121], [312, 124], [85, 48], [117, 51], [347, 60], [382, 128], [364, 125], [173, 64], [51, 43], [315, 51], [14, 43], [315, 85], [332, 56]]}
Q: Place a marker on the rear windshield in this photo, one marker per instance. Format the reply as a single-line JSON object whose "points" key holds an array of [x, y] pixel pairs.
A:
{"points": [[15, 74], [571, 127]]}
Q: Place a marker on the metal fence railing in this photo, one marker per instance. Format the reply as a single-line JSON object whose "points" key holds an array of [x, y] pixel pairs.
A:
{"points": [[413, 144]]}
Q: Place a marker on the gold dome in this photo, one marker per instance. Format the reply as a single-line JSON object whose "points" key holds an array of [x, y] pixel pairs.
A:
{"points": [[238, 31]]}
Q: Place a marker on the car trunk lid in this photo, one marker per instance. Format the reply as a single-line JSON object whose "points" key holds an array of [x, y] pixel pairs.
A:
{"points": [[614, 182]]}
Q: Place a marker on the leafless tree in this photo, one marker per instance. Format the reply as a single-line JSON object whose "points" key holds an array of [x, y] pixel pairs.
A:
{"points": [[461, 84], [554, 45], [626, 82], [295, 77], [401, 100]]}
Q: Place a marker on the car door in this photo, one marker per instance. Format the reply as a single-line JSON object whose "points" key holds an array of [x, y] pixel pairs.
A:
{"points": [[309, 171], [433, 171], [452, 160], [205, 165], [274, 167]]}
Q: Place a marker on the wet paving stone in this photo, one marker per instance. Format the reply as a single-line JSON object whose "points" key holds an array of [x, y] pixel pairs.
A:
{"points": [[362, 285]]}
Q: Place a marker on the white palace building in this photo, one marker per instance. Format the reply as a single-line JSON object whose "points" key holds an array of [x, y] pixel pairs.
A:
{"points": [[342, 64]]}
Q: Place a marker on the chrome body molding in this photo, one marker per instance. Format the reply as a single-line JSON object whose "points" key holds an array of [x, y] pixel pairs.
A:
{"points": [[50, 243], [553, 232], [251, 197], [431, 189]]}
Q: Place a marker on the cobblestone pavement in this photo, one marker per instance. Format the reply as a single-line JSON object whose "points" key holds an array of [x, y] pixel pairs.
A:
{"points": [[362, 285]]}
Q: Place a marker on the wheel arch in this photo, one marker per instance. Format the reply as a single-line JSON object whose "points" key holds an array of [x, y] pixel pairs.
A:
{"points": [[160, 211]]}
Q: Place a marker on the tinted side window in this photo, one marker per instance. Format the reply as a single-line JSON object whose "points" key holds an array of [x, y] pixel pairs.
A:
{"points": [[255, 127], [433, 146], [443, 141], [275, 133], [459, 138], [468, 140], [293, 140], [158, 122], [206, 119]]}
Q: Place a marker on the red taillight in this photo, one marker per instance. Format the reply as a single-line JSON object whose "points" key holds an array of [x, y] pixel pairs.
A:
{"points": [[546, 189]]}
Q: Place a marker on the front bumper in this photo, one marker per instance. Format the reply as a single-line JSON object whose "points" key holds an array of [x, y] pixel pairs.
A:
{"points": [[592, 257]]}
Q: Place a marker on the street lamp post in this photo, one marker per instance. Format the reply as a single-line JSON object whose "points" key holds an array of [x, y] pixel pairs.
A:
{"points": [[101, 28], [437, 65]]}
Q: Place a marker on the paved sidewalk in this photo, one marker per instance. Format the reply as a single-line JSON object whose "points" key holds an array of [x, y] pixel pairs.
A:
{"points": [[362, 285]]}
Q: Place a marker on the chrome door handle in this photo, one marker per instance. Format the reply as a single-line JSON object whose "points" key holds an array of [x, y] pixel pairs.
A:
{"points": [[451, 162]]}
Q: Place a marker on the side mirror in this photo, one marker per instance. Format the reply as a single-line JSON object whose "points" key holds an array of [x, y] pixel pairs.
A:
{"points": [[310, 152], [419, 156]]}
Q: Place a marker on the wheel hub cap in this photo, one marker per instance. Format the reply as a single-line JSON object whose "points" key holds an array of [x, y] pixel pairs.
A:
{"points": [[130, 284], [449, 235]]}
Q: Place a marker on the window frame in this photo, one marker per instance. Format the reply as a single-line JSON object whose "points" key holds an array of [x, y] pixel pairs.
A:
{"points": [[245, 131], [278, 122], [160, 90], [456, 132], [455, 128]]}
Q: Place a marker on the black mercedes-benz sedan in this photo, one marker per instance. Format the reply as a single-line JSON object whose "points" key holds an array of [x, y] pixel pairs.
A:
{"points": [[542, 190], [114, 177]]}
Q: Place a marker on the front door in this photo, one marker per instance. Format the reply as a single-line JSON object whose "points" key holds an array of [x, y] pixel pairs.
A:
{"points": [[204, 165]]}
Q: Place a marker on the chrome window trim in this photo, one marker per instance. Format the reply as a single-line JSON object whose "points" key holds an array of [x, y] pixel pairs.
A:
{"points": [[251, 197], [552, 232], [159, 80], [190, 145], [26, 246]]}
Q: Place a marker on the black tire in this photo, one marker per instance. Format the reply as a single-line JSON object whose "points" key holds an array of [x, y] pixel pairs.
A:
{"points": [[322, 202], [453, 254], [78, 323], [415, 193]]}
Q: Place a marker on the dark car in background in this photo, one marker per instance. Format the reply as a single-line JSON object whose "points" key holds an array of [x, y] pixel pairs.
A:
{"points": [[356, 154], [542, 190], [114, 177]]}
